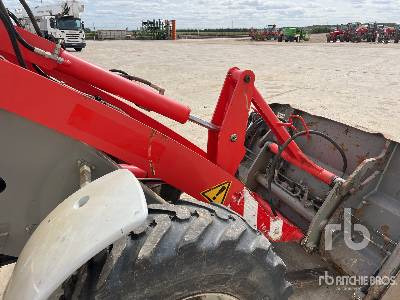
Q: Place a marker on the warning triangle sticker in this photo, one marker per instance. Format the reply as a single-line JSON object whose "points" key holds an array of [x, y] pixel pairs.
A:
{"points": [[218, 193]]}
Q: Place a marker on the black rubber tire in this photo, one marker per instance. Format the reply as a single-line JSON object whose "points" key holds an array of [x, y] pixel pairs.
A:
{"points": [[78, 49], [184, 250]]}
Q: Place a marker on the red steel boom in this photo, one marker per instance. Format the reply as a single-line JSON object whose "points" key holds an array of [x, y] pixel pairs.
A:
{"points": [[143, 144]]}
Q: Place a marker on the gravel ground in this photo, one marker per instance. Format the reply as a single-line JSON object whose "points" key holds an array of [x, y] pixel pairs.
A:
{"points": [[357, 84]]}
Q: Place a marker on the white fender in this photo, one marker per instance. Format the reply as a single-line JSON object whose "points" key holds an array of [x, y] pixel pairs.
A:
{"points": [[80, 227]]}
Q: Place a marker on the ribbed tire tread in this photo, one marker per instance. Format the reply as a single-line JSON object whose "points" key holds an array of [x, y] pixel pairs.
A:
{"points": [[186, 249]]}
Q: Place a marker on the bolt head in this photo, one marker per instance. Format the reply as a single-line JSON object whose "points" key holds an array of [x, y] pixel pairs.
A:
{"points": [[247, 78], [234, 137]]}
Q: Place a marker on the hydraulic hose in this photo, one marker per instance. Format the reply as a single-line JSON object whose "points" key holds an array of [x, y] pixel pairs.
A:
{"points": [[282, 148], [10, 27], [138, 79], [31, 17], [14, 18], [12, 34], [24, 43], [15, 37]]}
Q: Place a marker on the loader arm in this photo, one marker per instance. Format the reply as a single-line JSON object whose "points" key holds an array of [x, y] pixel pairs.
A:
{"points": [[138, 140]]}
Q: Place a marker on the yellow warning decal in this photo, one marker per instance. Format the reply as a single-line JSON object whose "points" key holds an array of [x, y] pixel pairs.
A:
{"points": [[218, 193]]}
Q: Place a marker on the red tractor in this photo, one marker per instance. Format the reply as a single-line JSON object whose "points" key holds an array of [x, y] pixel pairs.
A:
{"points": [[367, 32], [337, 34], [350, 31], [385, 33], [343, 33]]}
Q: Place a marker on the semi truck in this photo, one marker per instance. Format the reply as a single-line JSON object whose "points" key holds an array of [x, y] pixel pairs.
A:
{"points": [[59, 23]]}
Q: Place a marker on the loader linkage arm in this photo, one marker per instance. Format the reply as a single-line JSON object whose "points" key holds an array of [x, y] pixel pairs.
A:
{"points": [[65, 99]]}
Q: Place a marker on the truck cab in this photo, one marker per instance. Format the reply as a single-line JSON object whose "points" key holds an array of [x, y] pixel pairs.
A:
{"points": [[58, 22], [68, 29]]}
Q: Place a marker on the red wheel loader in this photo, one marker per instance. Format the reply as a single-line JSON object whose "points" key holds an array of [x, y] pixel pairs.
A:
{"points": [[92, 190]]}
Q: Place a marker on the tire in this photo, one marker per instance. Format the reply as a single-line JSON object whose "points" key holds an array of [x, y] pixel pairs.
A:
{"points": [[185, 250], [396, 41], [78, 49]]}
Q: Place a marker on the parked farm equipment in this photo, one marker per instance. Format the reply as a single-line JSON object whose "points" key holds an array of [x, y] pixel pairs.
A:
{"points": [[343, 33], [337, 34], [370, 32], [367, 32], [293, 34], [350, 32], [271, 32], [397, 34], [386, 34], [71, 130], [157, 30]]}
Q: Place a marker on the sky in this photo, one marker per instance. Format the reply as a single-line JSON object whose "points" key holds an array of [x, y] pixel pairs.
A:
{"points": [[199, 14]]}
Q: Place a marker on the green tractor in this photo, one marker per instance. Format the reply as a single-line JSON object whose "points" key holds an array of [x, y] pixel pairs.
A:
{"points": [[293, 34]]}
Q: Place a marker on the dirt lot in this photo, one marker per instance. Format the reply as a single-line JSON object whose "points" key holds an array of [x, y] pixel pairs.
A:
{"points": [[357, 84]]}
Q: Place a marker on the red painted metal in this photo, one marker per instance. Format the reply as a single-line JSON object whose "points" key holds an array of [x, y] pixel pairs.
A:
{"points": [[226, 146], [98, 77], [119, 135], [139, 173], [114, 126], [292, 153], [290, 124], [289, 231], [124, 88], [307, 165]]}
